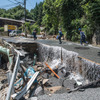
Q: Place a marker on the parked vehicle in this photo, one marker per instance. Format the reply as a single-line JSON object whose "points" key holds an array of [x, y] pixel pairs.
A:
{"points": [[15, 32]]}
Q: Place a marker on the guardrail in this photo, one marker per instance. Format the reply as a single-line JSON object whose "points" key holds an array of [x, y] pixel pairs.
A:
{"points": [[11, 86], [15, 70]]}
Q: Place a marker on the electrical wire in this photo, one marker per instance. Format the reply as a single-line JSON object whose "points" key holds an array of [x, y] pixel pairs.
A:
{"points": [[19, 2], [11, 1], [9, 5], [30, 3]]}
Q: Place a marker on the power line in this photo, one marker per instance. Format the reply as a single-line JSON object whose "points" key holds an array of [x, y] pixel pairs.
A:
{"points": [[30, 3], [19, 2], [8, 5], [11, 1]]}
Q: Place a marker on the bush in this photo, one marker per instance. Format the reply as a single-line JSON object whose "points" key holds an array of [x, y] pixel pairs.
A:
{"points": [[51, 31], [1, 29], [35, 27], [75, 37]]}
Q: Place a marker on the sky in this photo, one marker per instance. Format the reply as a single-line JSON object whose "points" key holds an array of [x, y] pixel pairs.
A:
{"points": [[7, 4]]}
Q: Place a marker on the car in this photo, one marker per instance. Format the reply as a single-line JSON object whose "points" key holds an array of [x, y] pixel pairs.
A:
{"points": [[15, 32]]}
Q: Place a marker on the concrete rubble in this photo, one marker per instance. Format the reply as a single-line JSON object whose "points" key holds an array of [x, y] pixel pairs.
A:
{"points": [[34, 77]]}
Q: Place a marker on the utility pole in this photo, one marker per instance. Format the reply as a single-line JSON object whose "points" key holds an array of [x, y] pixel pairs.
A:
{"points": [[25, 16]]}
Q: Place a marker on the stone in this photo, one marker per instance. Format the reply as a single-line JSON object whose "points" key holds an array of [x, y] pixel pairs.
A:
{"points": [[33, 98], [1, 85], [69, 83]]}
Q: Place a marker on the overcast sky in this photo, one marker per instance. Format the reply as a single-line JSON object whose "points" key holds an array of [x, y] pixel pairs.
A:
{"points": [[6, 4]]}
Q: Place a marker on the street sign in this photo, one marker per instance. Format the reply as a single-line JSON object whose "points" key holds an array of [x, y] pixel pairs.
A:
{"points": [[11, 27]]}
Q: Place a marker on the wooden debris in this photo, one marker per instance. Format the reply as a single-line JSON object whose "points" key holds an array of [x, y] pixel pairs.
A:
{"points": [[25, 89], [23, 68], [39, 68], [53, 89], [52, 70], [44, 81], [67, 88]]}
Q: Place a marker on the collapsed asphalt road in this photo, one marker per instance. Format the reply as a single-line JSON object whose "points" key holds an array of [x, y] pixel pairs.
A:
{"points": [[90, 52]]}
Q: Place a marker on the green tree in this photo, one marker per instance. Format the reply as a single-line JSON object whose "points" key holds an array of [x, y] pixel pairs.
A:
{"points": [[51, 9], [92, 17], [71, 10], [37, 13], [15, 13]]}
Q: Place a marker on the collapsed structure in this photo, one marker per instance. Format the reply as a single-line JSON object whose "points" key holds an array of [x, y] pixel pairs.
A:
{"points": [[35, 69]]}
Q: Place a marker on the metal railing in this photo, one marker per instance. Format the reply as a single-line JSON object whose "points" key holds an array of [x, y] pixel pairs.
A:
{"points": [[11, 86], [15, 70]]}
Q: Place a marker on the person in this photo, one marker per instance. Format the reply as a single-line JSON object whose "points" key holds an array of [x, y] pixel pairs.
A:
{"points": [[60, 35], [82, 39], [34, 34]]}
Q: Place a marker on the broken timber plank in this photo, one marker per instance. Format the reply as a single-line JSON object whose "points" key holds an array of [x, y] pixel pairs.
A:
{"points": [[51, 70], [53, 89], [44, 81], [25, 89]]}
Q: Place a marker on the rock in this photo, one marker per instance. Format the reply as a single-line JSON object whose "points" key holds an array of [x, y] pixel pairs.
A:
{"points": [[4, 81], [49, 94], [69, 83], [1, 86], [38, 90], [30, 62], [53, 81], [45, 75], [32, 98]]}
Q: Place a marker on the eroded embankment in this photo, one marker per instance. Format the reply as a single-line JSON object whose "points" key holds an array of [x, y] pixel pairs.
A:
{"points": [[70, 61]]}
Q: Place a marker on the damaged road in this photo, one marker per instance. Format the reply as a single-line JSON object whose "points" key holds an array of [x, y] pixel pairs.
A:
{"points": [[40, 72]]}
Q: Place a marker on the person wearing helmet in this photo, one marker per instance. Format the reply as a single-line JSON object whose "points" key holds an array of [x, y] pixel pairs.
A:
{"points": [[82, 39], [60, 35], [34, 34]]}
